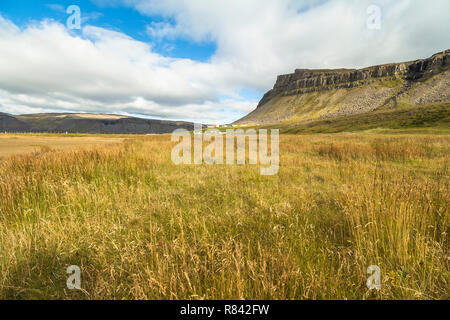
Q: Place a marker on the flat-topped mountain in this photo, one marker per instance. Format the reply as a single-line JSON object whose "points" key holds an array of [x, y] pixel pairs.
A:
{"points": [[87, 123], [308, 95]]}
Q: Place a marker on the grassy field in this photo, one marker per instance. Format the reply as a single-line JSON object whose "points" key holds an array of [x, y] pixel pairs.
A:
{"points": [[430, 119], [141, 227], [13, 144]]}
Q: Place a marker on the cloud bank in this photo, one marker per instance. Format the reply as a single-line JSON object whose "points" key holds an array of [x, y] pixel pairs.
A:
{"points": [[45, 67]]}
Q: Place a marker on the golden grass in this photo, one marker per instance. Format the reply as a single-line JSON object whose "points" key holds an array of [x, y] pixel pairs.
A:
{"points": [[13, 144], [142, 228]]}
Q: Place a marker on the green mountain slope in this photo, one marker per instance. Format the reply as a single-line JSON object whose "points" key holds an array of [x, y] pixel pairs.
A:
{"points": [[309, 97], [430, 118]]}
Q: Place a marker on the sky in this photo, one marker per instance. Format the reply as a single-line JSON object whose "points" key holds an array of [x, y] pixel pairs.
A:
{"points": [[207, 61]]}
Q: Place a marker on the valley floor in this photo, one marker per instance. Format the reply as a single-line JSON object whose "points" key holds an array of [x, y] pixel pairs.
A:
{"points": [[140, 227], [13, 144]]}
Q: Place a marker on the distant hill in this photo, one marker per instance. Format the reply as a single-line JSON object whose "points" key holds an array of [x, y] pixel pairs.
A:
{"points": [[317, 96], [87, 123], [12, 124]]}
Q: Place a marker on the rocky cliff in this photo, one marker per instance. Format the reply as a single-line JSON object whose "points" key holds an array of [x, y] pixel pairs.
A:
{"points": [[311, 94]]}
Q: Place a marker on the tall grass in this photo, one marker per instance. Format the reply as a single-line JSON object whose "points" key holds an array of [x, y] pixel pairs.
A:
{"points": [[141, 227]]}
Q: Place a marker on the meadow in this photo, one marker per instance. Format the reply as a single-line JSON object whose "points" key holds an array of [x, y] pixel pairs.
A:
{"points": [[13, 144], [141, 227]]}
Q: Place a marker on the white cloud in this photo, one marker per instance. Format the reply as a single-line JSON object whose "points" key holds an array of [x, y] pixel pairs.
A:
{"points": [[90, 16], [265, 37], [44, 67], [161, 30], [56, 7]]}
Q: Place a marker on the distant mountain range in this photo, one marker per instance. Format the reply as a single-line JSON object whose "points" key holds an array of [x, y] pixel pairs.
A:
{"points": [[312, 96], [87, 123]]}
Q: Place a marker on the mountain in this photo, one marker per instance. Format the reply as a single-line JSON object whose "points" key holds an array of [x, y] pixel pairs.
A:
{"points": [[307, 96], [11, 124], [87, 123]]}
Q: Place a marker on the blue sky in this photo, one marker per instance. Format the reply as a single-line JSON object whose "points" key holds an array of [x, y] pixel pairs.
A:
{"points": [[197, 60], [117, 17]]}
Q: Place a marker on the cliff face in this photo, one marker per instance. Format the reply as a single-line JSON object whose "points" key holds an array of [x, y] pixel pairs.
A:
{"points": [[390, 81]]}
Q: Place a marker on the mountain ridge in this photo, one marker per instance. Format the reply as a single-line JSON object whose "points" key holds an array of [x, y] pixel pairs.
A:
{"points": [[87, 123], [310, 94]]}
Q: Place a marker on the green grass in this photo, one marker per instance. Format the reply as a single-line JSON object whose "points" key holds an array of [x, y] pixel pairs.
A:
{"points": [[141, 227], [429, 118], [392, 83]]}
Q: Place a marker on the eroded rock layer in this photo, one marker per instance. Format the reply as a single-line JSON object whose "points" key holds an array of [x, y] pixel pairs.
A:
{"points": [[307, 94]]}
